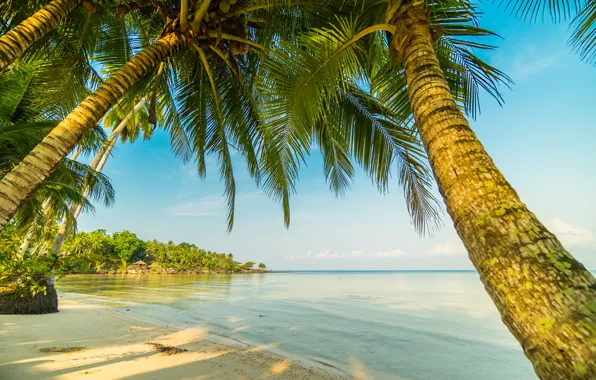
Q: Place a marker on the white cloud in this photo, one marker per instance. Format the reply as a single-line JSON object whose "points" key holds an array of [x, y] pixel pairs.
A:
{"points": [[528, 62], [447, 248], [322, 255], [207, 205], [253, 195], [570, 234], [394, 253], [358, 254], [522, 69], [303, 256]]}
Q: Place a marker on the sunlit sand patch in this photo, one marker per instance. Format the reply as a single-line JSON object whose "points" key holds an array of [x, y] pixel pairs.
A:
{"points": [[188, 335], [62, 361], [262, 347], [124, 360], [359, 371], [138, 366], [241, 328], [279, 367]]}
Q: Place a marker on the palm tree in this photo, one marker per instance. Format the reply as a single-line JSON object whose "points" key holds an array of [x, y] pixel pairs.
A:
{"points": [[96, 164], [215, 52], [22, 127], [38, 165], [63, 138], [423, 60], [27, 32]]}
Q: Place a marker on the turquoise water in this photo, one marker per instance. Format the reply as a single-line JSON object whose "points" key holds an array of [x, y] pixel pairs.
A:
{"points": [[413, 325]]}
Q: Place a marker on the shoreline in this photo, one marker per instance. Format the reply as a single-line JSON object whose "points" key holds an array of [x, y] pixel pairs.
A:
{"points": [[115, 347], [105, 272]]}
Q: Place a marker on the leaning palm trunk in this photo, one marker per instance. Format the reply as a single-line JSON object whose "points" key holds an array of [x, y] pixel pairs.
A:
{"points": [[546, 298], [22, 36], [20, 183], [46, 210], [97, 164]]}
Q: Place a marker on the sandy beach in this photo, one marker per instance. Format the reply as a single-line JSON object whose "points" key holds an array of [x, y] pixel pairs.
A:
{"points": [[114, 347]]}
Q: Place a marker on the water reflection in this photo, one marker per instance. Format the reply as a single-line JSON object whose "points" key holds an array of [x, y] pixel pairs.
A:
{"points": [[155, 289], [378, 325]]}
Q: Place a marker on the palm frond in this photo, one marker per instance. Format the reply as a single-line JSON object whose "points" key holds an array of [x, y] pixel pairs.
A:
{"points": [[531, 10], [583, 39]]}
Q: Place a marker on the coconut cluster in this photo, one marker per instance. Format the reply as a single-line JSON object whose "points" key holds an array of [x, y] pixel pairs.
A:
{"points": [[123, 8], [91, 7], [223, 17]]}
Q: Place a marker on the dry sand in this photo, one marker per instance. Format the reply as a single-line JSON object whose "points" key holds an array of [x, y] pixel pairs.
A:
{"points": [[114, 348]]}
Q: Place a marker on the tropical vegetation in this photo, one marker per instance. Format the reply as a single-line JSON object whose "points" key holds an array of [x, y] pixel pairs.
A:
{"points": [[99, 252], [417, 48], [382, 83], [213, 109], [23, 275]]}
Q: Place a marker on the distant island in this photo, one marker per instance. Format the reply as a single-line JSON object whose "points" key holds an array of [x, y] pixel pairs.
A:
{"points": [[123, 252]]}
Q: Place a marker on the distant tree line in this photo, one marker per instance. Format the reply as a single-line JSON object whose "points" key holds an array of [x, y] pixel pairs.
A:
{"points": [[22, 268], [98, 251]]}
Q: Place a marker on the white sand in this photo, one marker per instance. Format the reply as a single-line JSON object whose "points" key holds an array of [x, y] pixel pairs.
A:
{"points": [[115, 348]]}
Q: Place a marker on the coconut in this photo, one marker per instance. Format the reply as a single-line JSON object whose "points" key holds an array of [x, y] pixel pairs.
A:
{"points": [[224, 6], [243, 49], [89, 6], [234, 47], [232, 1], [122, 9]]}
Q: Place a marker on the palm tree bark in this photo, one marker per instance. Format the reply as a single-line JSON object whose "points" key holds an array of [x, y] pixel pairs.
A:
{"points": [[22, 36], [546, 298], [20, 183], [97, 164]]}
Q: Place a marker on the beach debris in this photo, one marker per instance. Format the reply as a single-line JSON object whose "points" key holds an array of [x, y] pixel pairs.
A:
{"points": [[166, 350], [90, 372], [48, 350]]}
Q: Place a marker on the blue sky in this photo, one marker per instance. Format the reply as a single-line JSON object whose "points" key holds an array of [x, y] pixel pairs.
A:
{"points": [[542, 140]]}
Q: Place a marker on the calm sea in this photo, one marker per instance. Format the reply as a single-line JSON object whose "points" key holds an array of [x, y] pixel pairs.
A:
{"points": [[390, 325]]}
